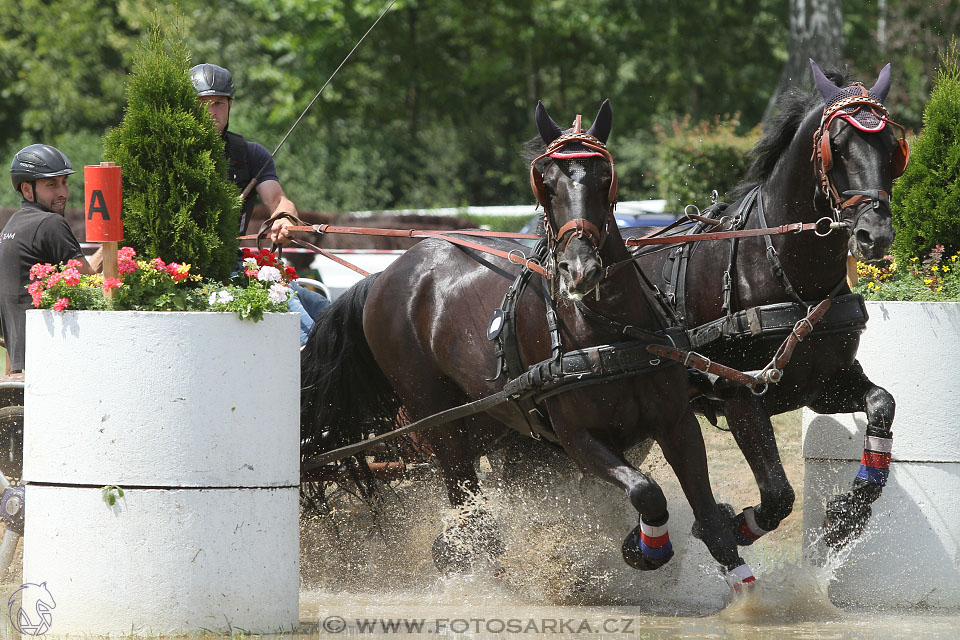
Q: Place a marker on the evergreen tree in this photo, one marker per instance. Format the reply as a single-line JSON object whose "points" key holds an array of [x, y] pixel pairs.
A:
{"points": [[926, 202], [177, 201]]}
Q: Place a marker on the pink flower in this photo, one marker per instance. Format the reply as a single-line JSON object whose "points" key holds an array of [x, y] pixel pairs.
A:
{"points": [[127, 253], [37, 298], [126, 266], [40, 271], [61, 304], [73, 263], [251, 272], [158, 264], [111, 283], [54, 279], [71, 276], [35, 288]]}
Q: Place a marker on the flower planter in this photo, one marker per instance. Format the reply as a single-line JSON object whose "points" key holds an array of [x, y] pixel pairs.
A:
{"points": [[909, 554], [196, 417]]}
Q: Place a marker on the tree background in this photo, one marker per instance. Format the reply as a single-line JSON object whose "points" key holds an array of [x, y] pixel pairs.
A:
{"points": [[432, 109]]}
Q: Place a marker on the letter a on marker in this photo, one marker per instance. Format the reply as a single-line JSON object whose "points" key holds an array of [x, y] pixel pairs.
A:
{"points": [[98, 204]]}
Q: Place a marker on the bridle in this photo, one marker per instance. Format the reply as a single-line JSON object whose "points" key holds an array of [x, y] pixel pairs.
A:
{"points": [[558, 239], [846, 109]]}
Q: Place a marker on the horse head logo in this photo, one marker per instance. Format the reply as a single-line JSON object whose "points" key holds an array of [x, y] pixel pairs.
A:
{"points": [[29, 609]]}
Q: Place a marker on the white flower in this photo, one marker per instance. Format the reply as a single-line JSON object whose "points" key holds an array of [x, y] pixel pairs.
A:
{"points": [[268, 274], [250, 263], [220, 297], [278, 292]]}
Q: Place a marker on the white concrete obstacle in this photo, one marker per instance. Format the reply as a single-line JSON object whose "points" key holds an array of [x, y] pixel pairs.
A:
{"points": [[195, 416], [909, 555]]}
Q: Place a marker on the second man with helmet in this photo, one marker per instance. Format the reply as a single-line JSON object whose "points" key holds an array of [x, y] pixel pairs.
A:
{"points": [[247, 160]]}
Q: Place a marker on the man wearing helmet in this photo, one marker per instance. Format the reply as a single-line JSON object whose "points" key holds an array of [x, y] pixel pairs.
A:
{"points": [[248, 160], [36, 233], [245, 159]]}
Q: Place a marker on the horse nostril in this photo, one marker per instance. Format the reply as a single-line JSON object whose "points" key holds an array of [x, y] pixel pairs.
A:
{"points": [[864, 238], [592, 272], [563, 266]]}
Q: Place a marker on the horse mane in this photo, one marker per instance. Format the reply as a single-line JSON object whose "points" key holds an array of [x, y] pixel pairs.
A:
{"points": [[792, 107], [532, 148]]}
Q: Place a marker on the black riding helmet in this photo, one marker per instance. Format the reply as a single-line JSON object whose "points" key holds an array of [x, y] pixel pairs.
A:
{"points": [[211, 80], [38, 161]]}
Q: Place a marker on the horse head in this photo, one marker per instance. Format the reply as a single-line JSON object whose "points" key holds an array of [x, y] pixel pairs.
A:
{"points": [[575, 181], [857, 154]]}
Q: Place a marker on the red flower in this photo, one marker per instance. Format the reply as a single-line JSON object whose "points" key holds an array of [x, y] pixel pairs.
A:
{"points": [[158, 264], [178, 272], [61, 304], [290, 273], [111, 283]]}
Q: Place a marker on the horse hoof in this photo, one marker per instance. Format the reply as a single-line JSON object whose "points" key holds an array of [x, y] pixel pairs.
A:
{"points": [[741, 580], [845, 519], [456, 551], [633, 553]]}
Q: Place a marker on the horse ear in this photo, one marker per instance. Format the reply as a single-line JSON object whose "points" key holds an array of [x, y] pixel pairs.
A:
{"points": [[882, 87], [827, 89], [549, 130], [600, 129]]}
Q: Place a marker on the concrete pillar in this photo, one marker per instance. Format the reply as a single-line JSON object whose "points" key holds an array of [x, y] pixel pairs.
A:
{"points": [[910, 553], [195, 416]]}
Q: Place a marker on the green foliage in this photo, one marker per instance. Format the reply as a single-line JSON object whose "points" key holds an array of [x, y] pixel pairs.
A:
{"points": [[111, 493], [431, 109], [694, 159], [926, 199], [149, 289], [64, 288], [936, 278], [248, 300], [262, 287], [177, 201]]}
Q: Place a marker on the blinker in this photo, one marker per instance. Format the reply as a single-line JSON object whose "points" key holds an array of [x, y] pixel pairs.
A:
{"points": [[496, 324]]}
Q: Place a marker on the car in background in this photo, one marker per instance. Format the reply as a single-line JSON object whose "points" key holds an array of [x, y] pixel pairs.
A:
{"points": [[633, 213], [337, 278]]}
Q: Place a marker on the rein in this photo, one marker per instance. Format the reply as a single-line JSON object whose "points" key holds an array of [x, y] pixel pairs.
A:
{"points": [[515, 256]]}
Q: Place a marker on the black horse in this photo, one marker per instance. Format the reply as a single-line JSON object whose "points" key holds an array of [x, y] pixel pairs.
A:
{"points": [[418, 335], [829, 156]]}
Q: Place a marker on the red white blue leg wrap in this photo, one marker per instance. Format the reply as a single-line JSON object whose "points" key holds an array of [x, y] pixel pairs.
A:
{"points": [[655, 541], [740, 577], [875, 463], [749, 528]]}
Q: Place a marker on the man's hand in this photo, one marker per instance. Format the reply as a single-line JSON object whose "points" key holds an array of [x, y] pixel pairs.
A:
{"points": [[279, 233]]}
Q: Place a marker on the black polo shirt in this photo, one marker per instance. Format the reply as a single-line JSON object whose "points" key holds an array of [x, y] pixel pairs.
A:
{"points": [[32, 235]]}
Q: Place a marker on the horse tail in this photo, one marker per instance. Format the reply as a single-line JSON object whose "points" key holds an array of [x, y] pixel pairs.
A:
{"points": [[344, 395]]}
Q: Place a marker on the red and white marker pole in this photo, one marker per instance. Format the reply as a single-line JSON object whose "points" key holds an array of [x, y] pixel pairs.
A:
{"points": [[103, 198]]}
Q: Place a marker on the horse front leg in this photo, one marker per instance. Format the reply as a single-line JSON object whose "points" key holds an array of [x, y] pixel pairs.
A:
{"points": [[648, 546], [750, 425], [848, 391], [683, 448]]}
